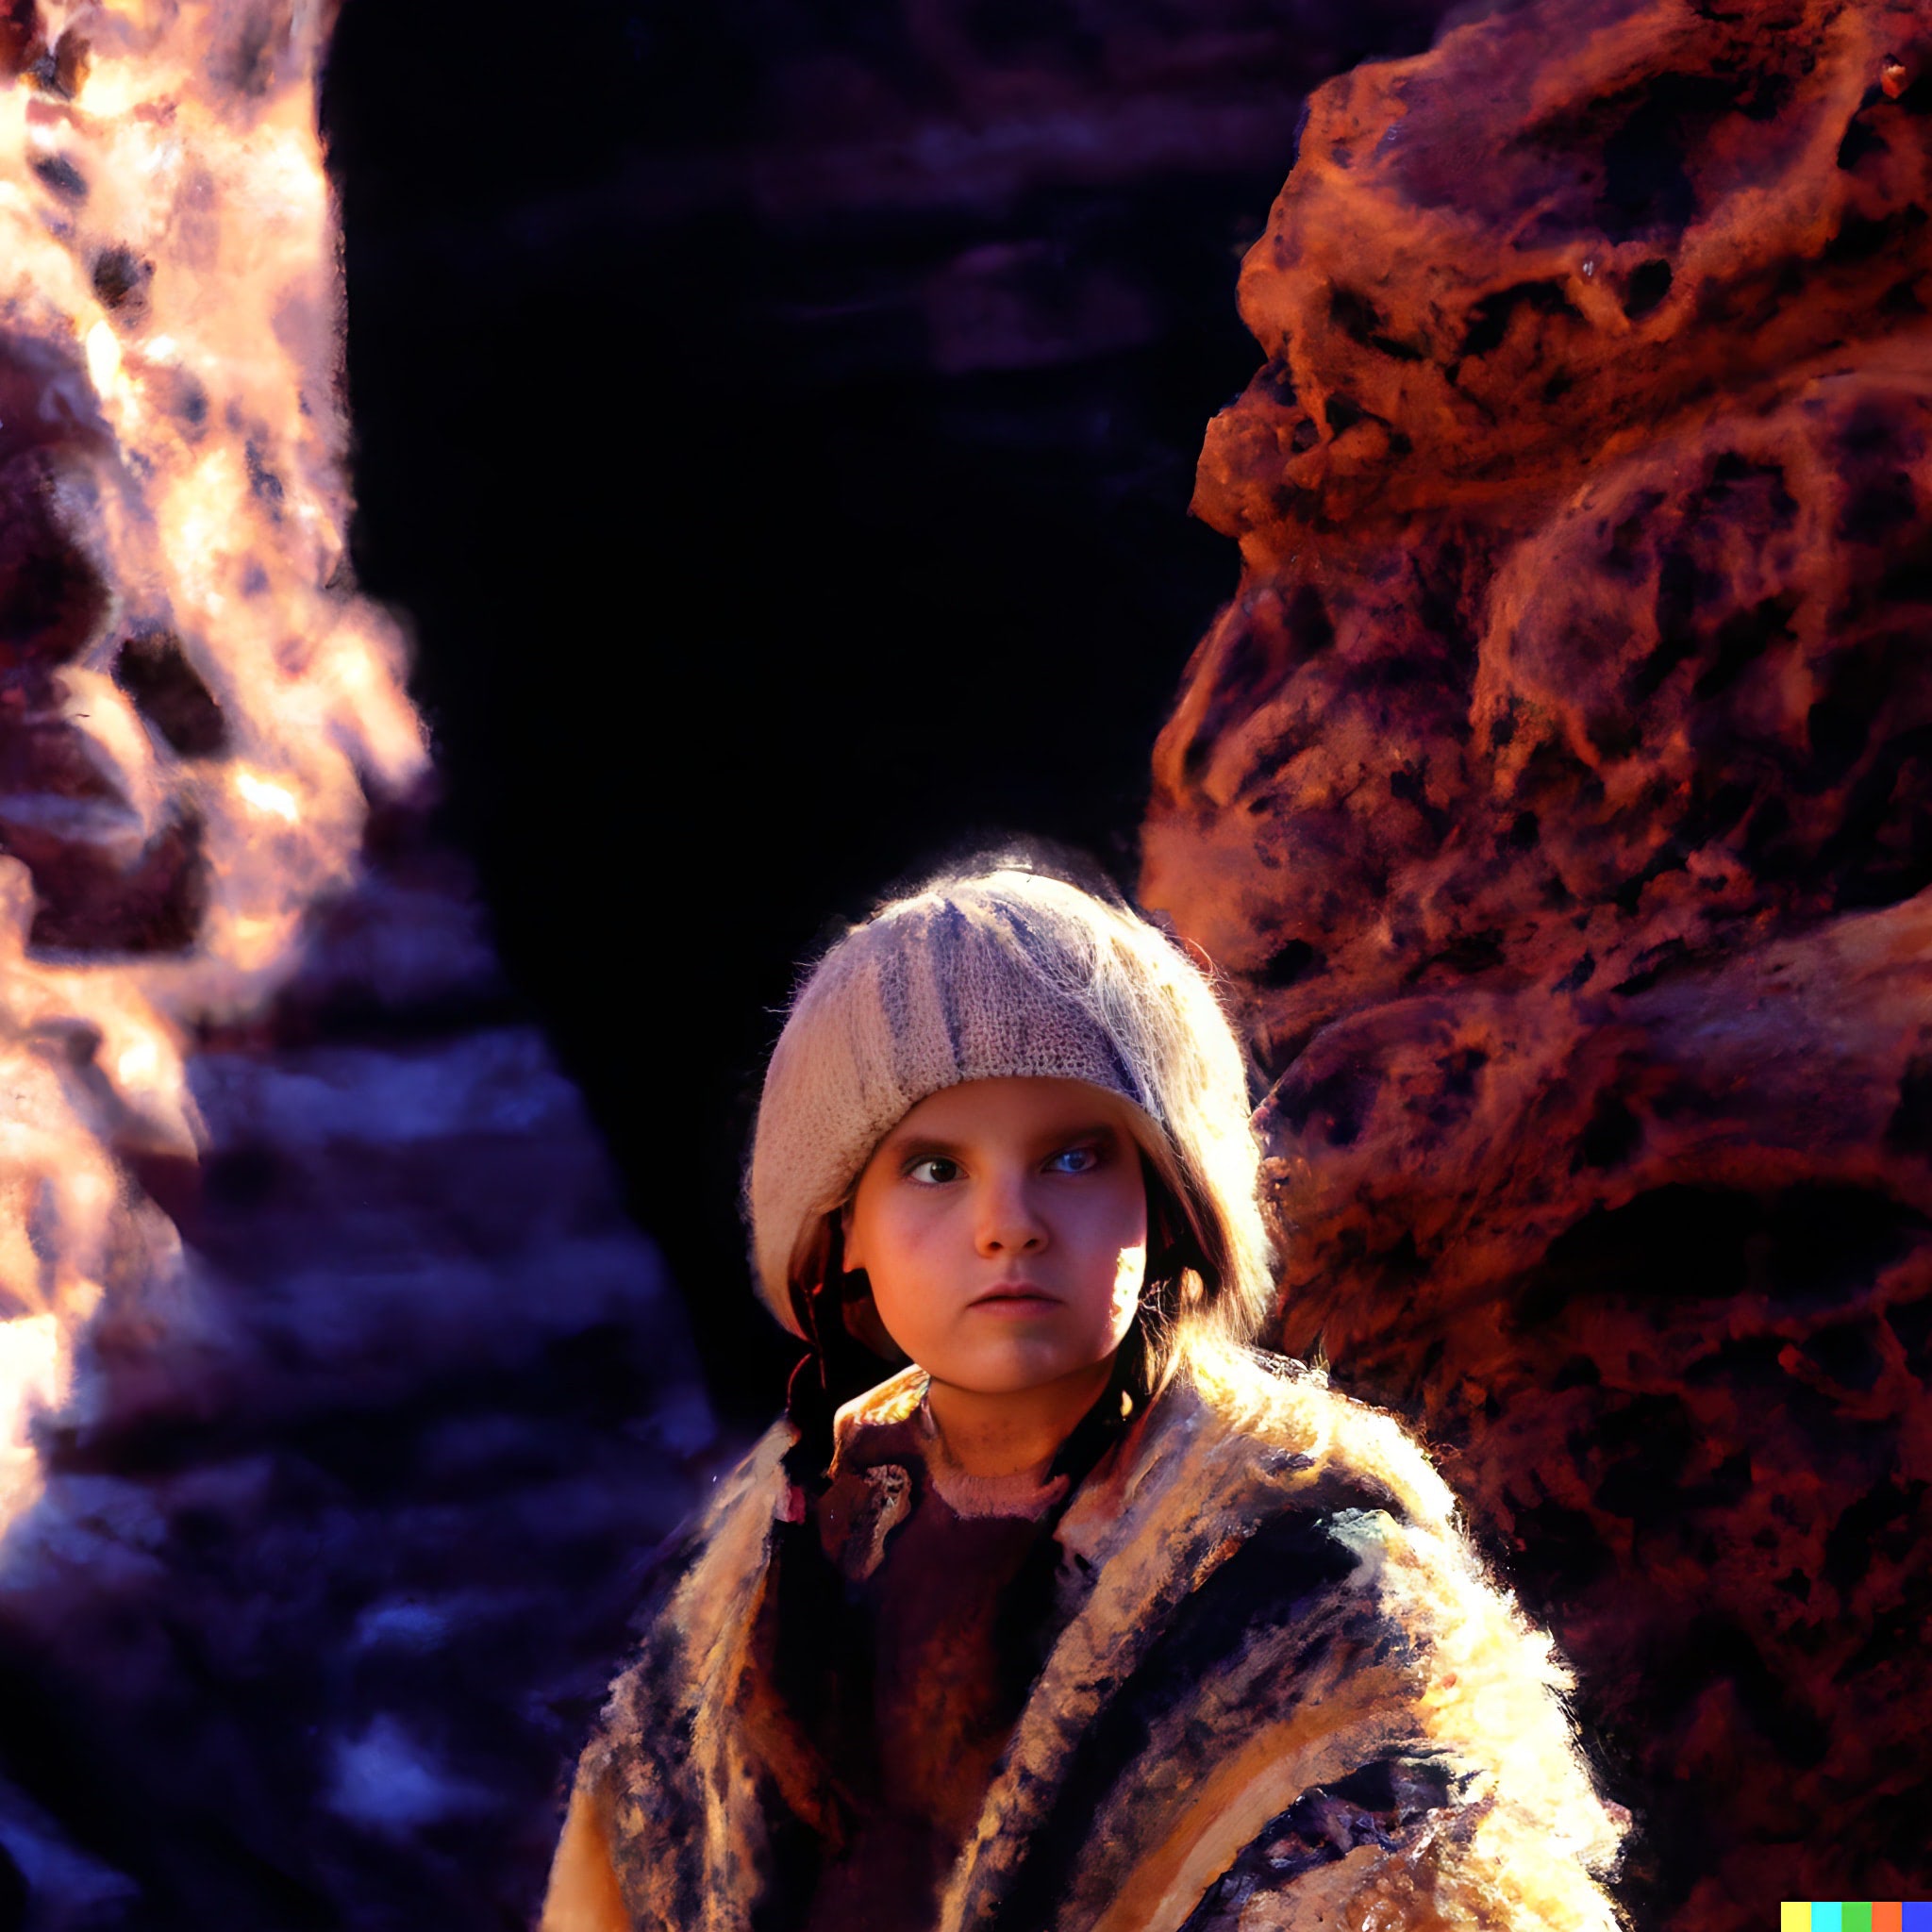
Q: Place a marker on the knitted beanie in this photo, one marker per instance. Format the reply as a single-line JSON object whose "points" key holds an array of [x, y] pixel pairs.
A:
{"points": [[1003, 972]]}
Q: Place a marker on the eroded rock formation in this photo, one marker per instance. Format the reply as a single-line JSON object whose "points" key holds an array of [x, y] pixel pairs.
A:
{"points": [[1556, 793], [341, 1532], [338, 1395]]}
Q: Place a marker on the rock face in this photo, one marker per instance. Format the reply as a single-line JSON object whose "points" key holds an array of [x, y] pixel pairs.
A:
{"points": [[1557, 796], [338, 1398], [338, 1537], [195, 704]]}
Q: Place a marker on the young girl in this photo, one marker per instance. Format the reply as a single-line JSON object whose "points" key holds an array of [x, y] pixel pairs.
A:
{"points": [[1092, 1618]]}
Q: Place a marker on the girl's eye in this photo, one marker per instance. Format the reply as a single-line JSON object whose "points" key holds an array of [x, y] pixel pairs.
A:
{"points": [[1076, 1160], [934, 1170]]}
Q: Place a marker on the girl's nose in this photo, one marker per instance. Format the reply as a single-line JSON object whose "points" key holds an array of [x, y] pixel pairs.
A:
{"points": [[1009, 1221]]}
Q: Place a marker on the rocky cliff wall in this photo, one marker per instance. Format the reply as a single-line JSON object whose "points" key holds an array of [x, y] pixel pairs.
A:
{"points": [[1557, 796]]}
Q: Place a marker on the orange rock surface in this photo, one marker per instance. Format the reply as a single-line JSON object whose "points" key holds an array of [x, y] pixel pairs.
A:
{"points": [[1556, 795]]}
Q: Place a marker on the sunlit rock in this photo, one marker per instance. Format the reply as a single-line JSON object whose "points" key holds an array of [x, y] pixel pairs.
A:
{"points": [[1557, 796], [338, 1398]]}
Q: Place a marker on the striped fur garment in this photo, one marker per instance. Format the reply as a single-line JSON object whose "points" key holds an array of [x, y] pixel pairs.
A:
{"points": [[1288, 1699]]}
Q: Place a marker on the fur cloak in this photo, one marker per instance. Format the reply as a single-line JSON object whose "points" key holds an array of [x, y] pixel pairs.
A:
{"points": [[1288, 1699]]}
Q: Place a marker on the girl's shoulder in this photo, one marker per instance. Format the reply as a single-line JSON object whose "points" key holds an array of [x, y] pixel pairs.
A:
{"points": [[1250, 1416]]}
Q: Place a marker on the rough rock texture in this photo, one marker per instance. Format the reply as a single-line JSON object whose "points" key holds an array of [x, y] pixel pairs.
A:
{"points": [[340, 1535], [195, 704], [1556, 793], [339, 1399]]}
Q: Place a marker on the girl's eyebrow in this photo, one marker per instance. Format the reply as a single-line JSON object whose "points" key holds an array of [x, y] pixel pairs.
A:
{"points": [[1102, 1129], [903, 1146], [925, 1145]]}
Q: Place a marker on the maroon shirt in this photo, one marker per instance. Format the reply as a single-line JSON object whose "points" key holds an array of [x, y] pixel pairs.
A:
{"points": [[940, 1659]]}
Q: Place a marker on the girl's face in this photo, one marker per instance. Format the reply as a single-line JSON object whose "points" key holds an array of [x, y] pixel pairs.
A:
{"points": [[1003, 1226]]}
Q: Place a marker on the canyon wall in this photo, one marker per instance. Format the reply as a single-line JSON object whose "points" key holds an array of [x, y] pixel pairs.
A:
{"points": [[340, 1400], [1555, 795]]}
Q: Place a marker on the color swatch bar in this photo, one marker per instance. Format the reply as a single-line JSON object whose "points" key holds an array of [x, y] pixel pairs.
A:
{"points": [[1858, 1915]]}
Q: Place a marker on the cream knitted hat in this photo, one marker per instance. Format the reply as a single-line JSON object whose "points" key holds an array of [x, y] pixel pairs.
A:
{"points": [[1001, 972]]}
